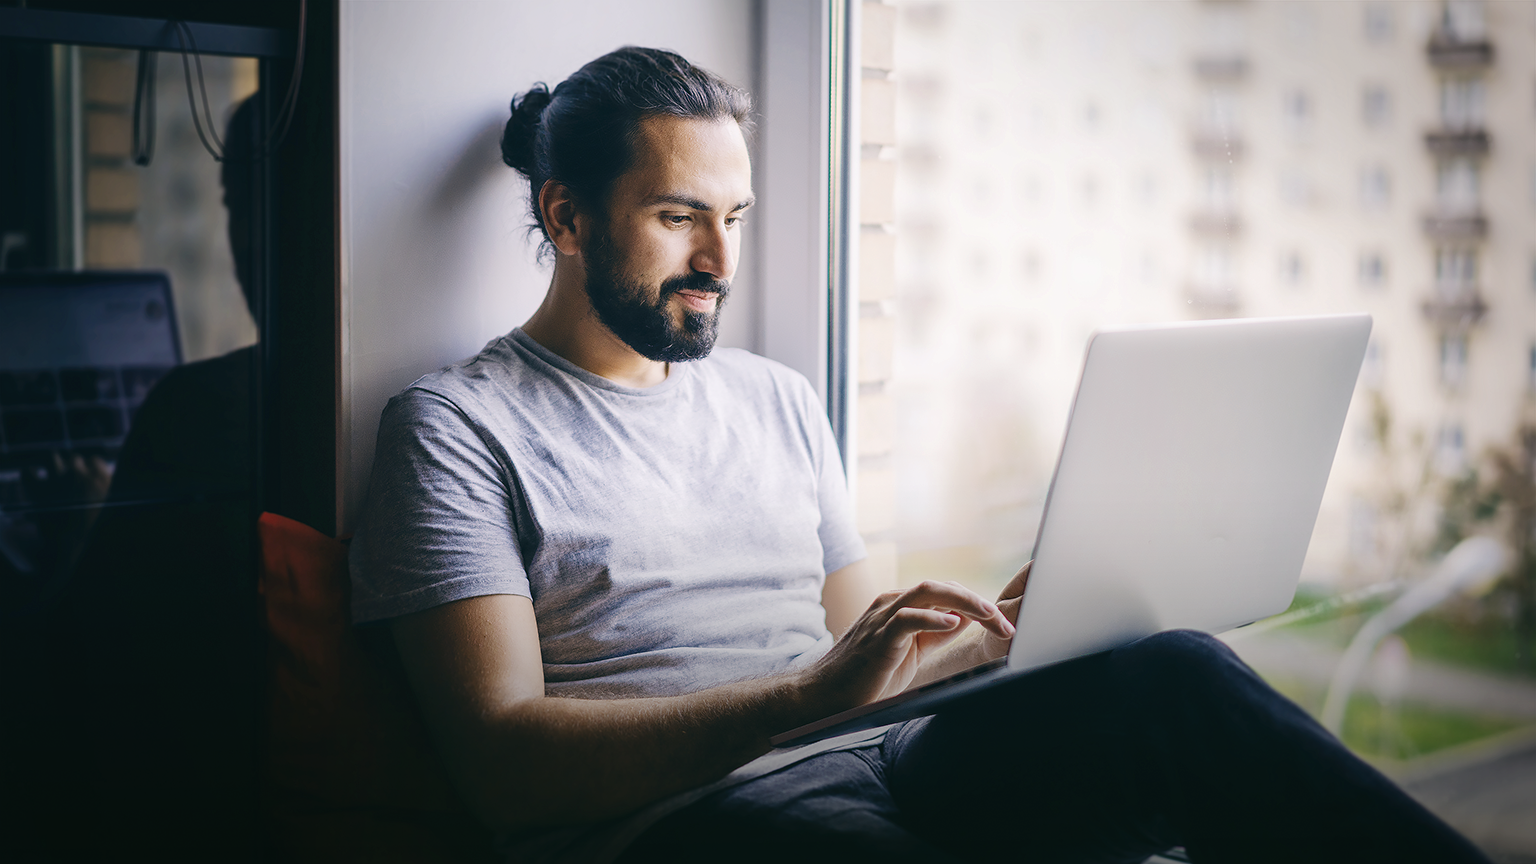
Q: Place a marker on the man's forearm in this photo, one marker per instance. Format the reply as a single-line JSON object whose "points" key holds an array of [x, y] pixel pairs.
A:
{"points": [[549, 761]]}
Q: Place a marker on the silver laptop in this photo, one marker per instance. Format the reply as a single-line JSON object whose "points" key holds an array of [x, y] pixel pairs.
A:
{"points": [[1188, 484]]}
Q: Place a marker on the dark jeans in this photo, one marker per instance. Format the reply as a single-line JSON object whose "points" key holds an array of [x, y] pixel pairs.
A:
{"points": [[1170, 741]]}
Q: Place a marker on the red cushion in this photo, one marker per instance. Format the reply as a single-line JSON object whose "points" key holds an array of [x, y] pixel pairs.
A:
{"points": [[350, 771]]}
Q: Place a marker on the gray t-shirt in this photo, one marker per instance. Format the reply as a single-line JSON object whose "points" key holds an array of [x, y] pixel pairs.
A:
{"points": [[672, 538]]}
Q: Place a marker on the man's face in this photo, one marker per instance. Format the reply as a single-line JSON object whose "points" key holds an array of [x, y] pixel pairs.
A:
{"points": [[659, 262]]}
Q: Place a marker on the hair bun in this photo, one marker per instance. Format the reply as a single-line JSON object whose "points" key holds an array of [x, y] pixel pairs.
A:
{"points": [[517, 141]]}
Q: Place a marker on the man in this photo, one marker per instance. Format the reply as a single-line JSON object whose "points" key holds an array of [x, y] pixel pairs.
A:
{"points": [[614, 563]]}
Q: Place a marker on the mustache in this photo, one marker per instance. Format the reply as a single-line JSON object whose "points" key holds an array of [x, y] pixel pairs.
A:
{"points": [[700, 282]]}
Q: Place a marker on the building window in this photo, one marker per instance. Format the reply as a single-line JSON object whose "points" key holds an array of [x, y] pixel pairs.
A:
{"points": [[1461, 104], [1450, 449], [1220, 189], [1214, 270], [1295, 188], [1031, 267], [1376, 106], [1375, 187], [1222, 112], [1378, 22], [1457, 187], [1293, 268], [1453, 360], [1296, 110], [1372, 270], [1373, 370], [1455, 271], [1464, 20]]}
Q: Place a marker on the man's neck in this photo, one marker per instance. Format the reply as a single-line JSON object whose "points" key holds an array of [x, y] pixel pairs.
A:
{"points": [[566, 324]]}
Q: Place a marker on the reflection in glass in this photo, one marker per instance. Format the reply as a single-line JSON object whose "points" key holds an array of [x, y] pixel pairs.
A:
{"points": [[128, 386]]}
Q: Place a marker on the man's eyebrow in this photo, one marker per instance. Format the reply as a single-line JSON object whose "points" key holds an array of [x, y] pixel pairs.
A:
{"points": [[682, 200]]}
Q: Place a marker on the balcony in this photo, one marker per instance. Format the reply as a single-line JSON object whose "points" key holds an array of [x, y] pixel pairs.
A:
{"points": [[1458, 142], [1448, 52], [1221, 68], [1456, 225], [1216, 222], [1455, 310], [1209, 301]]}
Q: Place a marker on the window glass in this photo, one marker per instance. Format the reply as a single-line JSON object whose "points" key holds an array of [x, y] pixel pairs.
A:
{"points": [[129, 387], [1376, 105], [1172, 161]]}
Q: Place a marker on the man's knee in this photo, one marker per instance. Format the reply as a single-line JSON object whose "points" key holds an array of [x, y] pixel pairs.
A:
{"points": [[1178, 663]]}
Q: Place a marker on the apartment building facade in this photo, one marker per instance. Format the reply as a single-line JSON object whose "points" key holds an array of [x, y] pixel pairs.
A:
{"points": [[1058, 167]]}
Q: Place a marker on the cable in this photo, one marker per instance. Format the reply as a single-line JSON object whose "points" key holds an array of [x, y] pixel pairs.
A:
{"points": [[281, 122], [291, 99], [184, 36], [144, 110]]}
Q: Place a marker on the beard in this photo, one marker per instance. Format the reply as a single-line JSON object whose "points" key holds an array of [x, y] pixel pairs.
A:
{"points": [[624, 306]]}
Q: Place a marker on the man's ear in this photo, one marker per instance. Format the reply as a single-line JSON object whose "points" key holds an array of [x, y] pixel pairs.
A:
{"points": [[562, 218]]}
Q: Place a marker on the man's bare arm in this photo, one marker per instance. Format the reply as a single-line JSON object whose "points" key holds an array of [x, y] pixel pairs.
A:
{"points": [[524, 759]]}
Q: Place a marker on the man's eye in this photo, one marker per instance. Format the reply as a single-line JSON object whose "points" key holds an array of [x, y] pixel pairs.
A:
{"points": [[676, 219], [733, 221]]}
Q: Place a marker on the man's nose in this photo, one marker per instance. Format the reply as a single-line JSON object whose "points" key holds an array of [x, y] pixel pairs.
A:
{"points": [[715, 253]]}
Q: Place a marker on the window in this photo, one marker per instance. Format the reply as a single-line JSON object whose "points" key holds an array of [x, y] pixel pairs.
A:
{"points": [[1453, 360], [1378, 22], [1222, 112], [1456, 189], [1372, 270], [1464, 20], [1375, 187], [1372, 371], [1293, 268], [1031, 266], [1455, 271], [1450, 449], [1461, 104], [1296, 111], [1334, 223], [1220, 195], [1376, 106], [1213, 270], [1224, 32]]}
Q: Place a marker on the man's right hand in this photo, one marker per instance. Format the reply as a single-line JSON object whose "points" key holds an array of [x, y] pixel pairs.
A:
{"points": [[880, 653]]}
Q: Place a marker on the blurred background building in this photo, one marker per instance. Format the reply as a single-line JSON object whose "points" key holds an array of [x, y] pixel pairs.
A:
{"points": [[1044, 169], [1033, 171]]}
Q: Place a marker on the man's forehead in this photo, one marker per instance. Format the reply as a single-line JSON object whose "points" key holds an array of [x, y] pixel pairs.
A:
{"points": [[688, 162]]}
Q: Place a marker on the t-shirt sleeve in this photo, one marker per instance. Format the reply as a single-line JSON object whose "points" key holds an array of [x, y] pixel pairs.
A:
{"points": [[438, 522], [841, 544]]}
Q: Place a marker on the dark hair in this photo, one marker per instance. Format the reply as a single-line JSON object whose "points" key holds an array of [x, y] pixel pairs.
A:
{"points": [[582, 134]]}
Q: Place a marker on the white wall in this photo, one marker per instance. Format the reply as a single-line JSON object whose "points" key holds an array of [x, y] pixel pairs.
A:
{"points": [[435, 260]]}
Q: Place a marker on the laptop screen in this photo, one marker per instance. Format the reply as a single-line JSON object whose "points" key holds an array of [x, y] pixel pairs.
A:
{"points": [[78, 354]]}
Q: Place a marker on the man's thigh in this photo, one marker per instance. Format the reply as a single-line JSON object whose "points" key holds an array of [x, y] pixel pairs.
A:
{"points": [[1040, 766], [835, 807]]}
